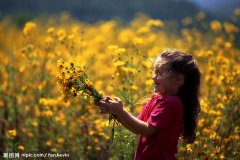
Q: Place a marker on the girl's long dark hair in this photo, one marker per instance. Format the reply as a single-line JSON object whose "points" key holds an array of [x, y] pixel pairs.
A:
{"points": [[185, 64]]}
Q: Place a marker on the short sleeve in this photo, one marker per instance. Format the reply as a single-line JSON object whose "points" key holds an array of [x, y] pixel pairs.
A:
{"points": [[162, 115], [143, 113]]}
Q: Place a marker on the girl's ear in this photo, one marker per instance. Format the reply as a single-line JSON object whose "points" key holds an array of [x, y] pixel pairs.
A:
{"points": [[180, 79]]}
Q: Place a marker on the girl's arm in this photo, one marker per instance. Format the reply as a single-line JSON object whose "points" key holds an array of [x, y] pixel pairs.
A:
{"points": [[125, 118], [135, 125]]}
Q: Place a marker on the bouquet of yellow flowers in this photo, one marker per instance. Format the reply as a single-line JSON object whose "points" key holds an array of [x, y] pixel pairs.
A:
{"points": [[75, 82]]}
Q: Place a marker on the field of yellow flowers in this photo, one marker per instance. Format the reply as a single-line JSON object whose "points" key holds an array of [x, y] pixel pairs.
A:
{"points": [[119, 60]]}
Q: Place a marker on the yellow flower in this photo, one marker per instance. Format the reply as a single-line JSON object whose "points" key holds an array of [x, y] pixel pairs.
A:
{"points": [[222, 156], [149, 82], [61, 34], [220, 105], [71, 37], [143, 29], [211, 69], [137, 40], [120, 50], [200, 16], [47, 113], [48, 41], [89, 147], [49, 143], [147, 64], [112, 47], [50, 30], [187, 21], [34, 123], [230, 28], [212, 135], [21, 148], [209, 53], [29, 26], [60, 64], [201, 122], [109, 89], [209, 78], [189, 149], [60, 140], [119, 63], [98, 148], [156, 23], [134, 87], [227, 45], [12, 133], [132, 70], [54, 150], [89, 83], [73, 90], [96, 140], [216, 26], [237, 12], [125, 36]]}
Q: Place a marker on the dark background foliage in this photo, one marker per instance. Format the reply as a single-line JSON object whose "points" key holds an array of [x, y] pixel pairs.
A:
{"points": [[93, 10]]}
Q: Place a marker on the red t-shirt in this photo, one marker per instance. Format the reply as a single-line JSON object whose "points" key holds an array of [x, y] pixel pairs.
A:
{"points": [[165, 113]]}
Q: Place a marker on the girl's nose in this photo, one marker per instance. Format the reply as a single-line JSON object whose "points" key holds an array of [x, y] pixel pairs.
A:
{"points": [[154, 77]]}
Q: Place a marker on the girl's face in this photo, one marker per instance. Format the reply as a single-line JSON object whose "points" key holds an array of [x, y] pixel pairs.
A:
{"points": [[166, 82]]}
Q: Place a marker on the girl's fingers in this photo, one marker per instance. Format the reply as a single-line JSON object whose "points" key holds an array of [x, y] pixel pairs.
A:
{"points": [[107, 98], [118, 99], [102, 102]]}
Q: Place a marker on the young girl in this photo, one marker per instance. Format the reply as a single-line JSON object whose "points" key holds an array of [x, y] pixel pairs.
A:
{"points": [[172, 111]]}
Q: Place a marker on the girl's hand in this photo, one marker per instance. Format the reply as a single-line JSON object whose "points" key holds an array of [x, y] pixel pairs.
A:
{"points": [[110, 106], [102, 104]]}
